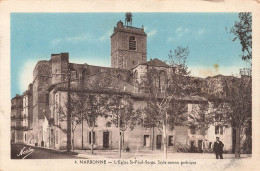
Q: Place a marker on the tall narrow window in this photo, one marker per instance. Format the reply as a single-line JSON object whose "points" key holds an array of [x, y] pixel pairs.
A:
{"points": [[132, 43], [162, 81], [146, 140], [221, 130], [192, 129], [217, 129], [210, 144], [118, 76], [216, 117], [57, 137], [73, 76], [94, 138], [170, 143]]}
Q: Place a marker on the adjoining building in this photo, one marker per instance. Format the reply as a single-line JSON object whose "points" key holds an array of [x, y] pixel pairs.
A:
{"points": [[41, 123], [21, 116]]}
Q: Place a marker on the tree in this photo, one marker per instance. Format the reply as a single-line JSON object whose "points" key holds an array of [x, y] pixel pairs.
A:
{"points": [[234, 110], [78, 111], [237, 109], [242, 30], [96, 107], [148, 122], [166, 89], [200, 118], [121, 113]]}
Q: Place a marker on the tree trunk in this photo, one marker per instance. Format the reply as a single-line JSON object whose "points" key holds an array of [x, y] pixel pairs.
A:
{"points": [[82, 136], [73, 141], [92, 140], [153, 138], [119, 131], [164, 141], [237, 146], [119, 151], [123, 139]]}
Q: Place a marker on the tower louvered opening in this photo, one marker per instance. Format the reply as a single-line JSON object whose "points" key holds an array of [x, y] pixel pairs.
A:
{"points": [[132, 43]]}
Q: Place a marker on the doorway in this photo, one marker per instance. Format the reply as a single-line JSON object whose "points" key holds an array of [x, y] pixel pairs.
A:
{"points": [[192, 146], [105, 139], [158, 141], [52, 138], [200, 145]]}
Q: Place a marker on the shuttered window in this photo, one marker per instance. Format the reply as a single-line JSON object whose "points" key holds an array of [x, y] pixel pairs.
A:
{"points": [[132, 43]]}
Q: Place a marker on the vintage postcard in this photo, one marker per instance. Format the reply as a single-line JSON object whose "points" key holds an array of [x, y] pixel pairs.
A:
{"points": [[87, 86]]}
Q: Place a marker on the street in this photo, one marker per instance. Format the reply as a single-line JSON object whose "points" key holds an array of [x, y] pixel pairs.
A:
{"points": [[21, 151]]}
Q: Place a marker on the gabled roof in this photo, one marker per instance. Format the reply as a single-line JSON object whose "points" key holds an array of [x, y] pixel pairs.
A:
{"points": [[156, 62]]}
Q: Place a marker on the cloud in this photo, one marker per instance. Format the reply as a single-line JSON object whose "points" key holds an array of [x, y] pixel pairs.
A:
{"points": [[77, 38], [73, 39], [170, 39], [106, 36], [55, 42], [216, 69], [180, 32], [201, 31], [26, 74], [179, 29], [152, 33]]}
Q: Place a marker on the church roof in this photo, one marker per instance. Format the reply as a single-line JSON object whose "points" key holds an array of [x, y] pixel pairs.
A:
{"points": [[156, 62]]}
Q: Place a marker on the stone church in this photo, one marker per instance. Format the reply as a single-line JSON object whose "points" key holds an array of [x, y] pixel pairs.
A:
{"points": [[35, 118]]}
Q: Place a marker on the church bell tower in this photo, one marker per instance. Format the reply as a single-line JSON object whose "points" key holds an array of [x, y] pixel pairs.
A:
{"points": [[128, 44]]}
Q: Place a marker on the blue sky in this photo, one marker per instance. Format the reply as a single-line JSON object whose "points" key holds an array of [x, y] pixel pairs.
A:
{"points": [[86, 36]]}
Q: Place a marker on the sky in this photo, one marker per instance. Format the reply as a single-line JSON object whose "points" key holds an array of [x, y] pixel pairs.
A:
{"points": [[86, 37]]}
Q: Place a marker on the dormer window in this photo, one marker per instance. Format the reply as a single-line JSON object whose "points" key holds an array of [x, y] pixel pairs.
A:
{"points": [[132, 43]]}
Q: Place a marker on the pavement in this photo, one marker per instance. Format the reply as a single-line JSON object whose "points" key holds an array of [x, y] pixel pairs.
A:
{"points": [[23, 151], [156, 154]]}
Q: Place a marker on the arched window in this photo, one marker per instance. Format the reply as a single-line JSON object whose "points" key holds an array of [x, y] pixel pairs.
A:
{"points": [[162, 80], [85, 72], [118, 76], [154, 78], [135, 75], [73, 76], [132, 43], [135, 81]]}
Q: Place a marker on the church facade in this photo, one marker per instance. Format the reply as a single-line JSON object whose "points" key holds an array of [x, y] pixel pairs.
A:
{"points": [[36, 118]]}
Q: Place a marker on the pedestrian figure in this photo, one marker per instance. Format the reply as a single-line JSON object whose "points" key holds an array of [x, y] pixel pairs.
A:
{"points": [[218, 148]]}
